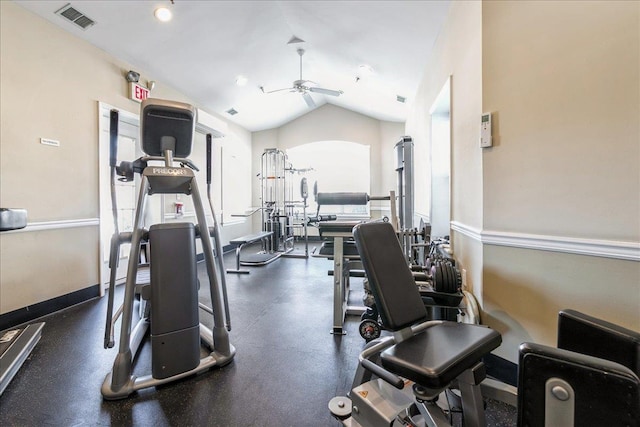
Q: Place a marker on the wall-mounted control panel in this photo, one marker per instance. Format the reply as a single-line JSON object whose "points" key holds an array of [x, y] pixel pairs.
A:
{"points": [[485, 131]]}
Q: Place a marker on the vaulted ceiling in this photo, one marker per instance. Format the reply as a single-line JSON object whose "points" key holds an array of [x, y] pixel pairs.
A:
{"points": [[208, 44]]}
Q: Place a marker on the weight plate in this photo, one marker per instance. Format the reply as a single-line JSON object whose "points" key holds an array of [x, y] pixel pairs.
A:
{"points": [[369, 330], [470, 309], [451, 288], [444, 286], [453, 284], [445, 277], [438, 280], [458, 277]]}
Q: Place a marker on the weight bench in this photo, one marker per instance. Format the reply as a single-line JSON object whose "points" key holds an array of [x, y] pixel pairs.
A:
{"points": [[261, 259], [429, 355]]}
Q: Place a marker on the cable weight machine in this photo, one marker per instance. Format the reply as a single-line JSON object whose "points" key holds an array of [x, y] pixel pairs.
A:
{"points": [[278, 204], [276, 215]]}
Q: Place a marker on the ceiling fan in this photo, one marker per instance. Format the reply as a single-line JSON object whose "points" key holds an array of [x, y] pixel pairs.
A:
{"points": [[301, 86]]}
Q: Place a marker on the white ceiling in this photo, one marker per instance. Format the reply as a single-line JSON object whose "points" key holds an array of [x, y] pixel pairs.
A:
{"points": [[208, 43]]}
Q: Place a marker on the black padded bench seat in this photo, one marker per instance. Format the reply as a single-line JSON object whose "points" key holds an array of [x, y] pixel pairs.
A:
{"points": [[441, 353], [336, 227], [348, 249], [240, 242], [251, 238]]}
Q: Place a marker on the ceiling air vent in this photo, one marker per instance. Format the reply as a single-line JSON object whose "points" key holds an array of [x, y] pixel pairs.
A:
{"points": [[74, 15], [401, 99], [232, 112]]}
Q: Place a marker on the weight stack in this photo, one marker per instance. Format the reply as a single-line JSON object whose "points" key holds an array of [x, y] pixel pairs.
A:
{"points": [[175, 326]]}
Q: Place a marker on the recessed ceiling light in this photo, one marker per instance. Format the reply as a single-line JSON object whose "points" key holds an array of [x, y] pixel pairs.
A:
{"points": [[162, 14], [241, 80]]}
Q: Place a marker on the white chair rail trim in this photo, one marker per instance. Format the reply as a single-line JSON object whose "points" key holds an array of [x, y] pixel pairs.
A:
{"points": [[592, 247], [57, 225]]}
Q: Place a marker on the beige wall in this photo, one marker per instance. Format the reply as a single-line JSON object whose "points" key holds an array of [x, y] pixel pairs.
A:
{"points": [[562, 79], [524, 290], [457, 53], [51, 83]]}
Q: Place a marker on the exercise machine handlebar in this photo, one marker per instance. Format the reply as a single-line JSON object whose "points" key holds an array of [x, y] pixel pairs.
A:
{"points": [[209, 153], [376, 347], [321, 218], [113, 138], [217, 242], [114, 255]]}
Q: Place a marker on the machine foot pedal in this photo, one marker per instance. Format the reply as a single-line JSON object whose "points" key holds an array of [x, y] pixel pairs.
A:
{"points": [[340, 407]]}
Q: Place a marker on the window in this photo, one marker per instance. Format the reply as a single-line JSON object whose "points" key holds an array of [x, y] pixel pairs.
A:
{"points": [[338, 166]]}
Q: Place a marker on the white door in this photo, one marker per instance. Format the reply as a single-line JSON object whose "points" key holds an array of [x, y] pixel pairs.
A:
{"points": [[126, 192]]}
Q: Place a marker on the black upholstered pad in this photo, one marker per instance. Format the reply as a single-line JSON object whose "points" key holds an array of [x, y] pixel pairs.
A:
{"points": [[390, 279], [606, 393], [438, 355], [595, 337]]}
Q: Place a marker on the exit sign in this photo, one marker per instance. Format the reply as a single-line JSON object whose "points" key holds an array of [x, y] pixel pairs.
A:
{"points": [[137, 92]]}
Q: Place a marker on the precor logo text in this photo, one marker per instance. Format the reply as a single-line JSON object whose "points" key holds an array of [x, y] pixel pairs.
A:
{"points": [[169, 171]]}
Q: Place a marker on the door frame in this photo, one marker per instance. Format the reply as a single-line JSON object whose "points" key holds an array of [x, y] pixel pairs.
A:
{"points": [[130, 129]]}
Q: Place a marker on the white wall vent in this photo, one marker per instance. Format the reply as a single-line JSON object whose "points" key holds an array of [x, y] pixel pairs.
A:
{"points": [[74, 15]]}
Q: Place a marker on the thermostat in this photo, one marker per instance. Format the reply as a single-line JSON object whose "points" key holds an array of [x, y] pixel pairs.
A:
{"points": [[485, 131]]}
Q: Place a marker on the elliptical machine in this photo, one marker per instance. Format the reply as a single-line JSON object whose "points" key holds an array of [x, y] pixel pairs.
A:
{"points": [[172, 313]]}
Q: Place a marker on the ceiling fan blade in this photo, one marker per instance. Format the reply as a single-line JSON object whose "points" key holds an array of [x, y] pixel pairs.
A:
{"points": [[326, 91], [309, 100], [277, 90]]}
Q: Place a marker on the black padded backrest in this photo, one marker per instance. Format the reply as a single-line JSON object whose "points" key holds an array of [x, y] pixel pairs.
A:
{"points": [[323, 199], [392, 285], [167, 125], [595, 337], [606, 393]]}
